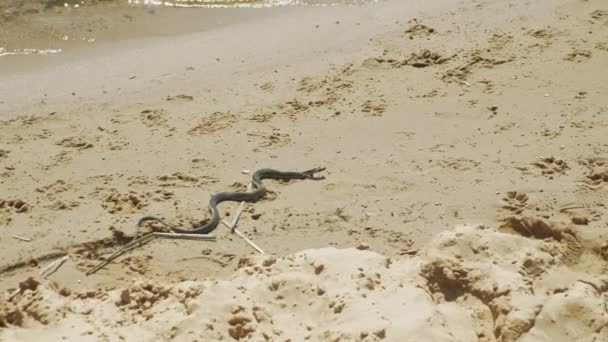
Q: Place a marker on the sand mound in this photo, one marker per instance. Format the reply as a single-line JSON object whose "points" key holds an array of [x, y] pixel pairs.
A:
{"points": [[527, 281]]}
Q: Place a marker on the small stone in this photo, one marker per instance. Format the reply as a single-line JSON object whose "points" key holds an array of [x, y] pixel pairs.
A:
{"points": [[581, 221], [319, 269], [125, 298], [362, 246], [381, 334], [18, 204]]}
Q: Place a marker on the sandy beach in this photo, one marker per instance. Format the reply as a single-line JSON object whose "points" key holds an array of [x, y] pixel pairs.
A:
{"points": [[465, 191]]}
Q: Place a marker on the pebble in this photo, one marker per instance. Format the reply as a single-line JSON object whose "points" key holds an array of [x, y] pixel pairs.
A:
{"points": [[362, 246]]}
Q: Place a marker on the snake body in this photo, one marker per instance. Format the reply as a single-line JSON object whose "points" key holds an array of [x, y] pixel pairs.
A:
{"points": [[258, 191]]}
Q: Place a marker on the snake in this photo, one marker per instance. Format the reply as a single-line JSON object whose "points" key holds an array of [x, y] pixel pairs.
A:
{"points": [[257, 192]]}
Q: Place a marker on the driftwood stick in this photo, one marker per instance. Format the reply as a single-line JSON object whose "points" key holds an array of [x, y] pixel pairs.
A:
{"points": [[110, 258], [140, 241], [235, 221], [562, 210], [131, 245], [21, 238], [238, 232], [53, 266], [239, 211], [146, 238], [12, 295], [237, 216]]}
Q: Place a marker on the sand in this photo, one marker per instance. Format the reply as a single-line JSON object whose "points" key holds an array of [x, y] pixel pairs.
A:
{"points": [[464, 199], [538, 283]]}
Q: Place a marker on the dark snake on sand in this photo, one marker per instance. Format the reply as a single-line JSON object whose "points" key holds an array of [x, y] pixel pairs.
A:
{"points": [[259, 190]]}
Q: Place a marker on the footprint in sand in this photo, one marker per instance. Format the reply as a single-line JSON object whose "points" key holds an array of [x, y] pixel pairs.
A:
{"points": [[419, 30], [374, 107], [459, 164], [549, 167], [216, 122], [78, 143], [426, 58], [115, 202], [515, 202], [268, 86], [578, 56], [179, 179], [422, 59], [8, 207], [597, 178], [153, 117], [499, 41], [474, 61], [543, 37], [275, 138], [600, 15], [292, 109], [263, 116], [53, 195]]}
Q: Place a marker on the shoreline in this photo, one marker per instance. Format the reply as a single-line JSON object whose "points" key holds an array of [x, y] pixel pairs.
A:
{"points": [[69, 28], [122, 28], [129, 56]]}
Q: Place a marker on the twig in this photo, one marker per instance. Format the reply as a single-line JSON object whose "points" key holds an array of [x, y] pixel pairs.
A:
{"points": [[53, 266], [21, 238], [595, 287], [412, 251], [570, 208], [140, 241], [251, 243], [12, 295], [238, 232], [239, 211], [235, 220]]}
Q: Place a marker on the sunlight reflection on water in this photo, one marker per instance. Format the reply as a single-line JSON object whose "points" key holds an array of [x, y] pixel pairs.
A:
{"points": [[247, 3]]}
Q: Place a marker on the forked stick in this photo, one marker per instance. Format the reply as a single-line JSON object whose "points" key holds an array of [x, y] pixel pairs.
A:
{"points": [[140, 241], [235, 221]]}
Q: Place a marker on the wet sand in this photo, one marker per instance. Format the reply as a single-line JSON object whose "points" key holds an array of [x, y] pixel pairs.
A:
{"points": [[427, 117]]}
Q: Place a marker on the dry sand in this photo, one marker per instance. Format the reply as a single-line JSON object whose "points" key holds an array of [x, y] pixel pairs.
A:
{"points": [[467, 155], [538, 283]]}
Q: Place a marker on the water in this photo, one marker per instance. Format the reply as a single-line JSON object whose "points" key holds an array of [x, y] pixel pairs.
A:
{"points": [[245, 3], [14, 52]]}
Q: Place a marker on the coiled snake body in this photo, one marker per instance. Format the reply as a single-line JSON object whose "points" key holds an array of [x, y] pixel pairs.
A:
{"points": [[259, 190]]}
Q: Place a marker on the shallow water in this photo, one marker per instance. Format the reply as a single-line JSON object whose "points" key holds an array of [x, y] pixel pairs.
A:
{"points": [[245, 3]]}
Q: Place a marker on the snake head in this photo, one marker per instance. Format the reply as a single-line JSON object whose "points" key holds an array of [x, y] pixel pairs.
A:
{"points": [[310, 174]]}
